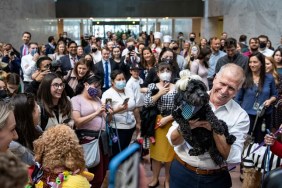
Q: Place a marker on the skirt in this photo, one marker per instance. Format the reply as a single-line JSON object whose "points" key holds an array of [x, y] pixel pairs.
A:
{"points": [[161, 150]]}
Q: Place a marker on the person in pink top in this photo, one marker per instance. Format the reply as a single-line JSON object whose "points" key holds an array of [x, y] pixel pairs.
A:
{"points": [[89, 114]]}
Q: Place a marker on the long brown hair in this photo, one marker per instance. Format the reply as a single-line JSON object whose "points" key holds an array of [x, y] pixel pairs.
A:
{"points": [[274, 70], [45, 97], [152, 61]]}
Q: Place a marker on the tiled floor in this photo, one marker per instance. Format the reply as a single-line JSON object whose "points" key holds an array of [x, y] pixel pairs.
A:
{"points": [[235, 174]]}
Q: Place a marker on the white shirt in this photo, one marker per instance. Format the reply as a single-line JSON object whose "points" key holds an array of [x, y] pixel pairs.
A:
{"points": [[134, 85], [97, 56], [266, 52], [28, 67], [238, 125], [120, 119], [73, 61]]}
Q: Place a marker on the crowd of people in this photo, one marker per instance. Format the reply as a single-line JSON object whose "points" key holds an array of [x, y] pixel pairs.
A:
{"points": [[62, 86]]}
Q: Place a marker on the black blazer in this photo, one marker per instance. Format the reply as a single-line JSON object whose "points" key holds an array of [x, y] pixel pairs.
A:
{"points": [[99, 68]]}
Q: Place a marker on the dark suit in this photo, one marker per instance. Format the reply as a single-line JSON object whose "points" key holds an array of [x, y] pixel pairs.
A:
{"points": [[66, 64], [49, 49], [99, 70], [87, 49], [21, 50]]}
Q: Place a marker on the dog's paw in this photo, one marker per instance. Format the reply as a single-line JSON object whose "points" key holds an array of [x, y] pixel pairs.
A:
{"points": [[230, 139]]}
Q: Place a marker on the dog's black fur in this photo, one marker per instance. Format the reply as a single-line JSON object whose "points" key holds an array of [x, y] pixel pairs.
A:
{"points": [[200, 139]]}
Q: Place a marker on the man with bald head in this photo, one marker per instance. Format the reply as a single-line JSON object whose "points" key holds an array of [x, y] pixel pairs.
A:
{"points": [[201, 171]]}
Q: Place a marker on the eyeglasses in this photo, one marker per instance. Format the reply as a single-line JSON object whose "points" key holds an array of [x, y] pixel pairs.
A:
{"points": [[57, 86]]}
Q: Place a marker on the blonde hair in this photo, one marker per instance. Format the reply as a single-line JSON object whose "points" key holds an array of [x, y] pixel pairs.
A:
{"points": [[5, 109], [185, 77]]}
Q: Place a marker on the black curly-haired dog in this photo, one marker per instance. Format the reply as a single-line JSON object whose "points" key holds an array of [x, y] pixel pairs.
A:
{"points": [[200, 138]]}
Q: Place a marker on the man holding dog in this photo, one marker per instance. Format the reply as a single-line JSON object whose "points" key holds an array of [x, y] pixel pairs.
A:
{"points": [[200, 171]]}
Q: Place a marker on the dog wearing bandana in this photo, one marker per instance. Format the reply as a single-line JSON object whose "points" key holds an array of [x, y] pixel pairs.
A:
{"points": [[192, 103]]}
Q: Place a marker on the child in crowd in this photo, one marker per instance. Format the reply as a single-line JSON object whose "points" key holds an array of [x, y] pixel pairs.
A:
{"points": [[134, 84]]}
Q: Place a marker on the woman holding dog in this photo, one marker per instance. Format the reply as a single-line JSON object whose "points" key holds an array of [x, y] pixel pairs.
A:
{"points": [[161, 151], [258, 91], [89, 114]]}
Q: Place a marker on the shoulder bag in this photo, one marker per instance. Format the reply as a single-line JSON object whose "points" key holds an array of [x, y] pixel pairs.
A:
{"points": [[92, 151]]}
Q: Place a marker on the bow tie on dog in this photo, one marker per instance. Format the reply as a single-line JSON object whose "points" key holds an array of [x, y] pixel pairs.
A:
{"points": [[192, 103]]}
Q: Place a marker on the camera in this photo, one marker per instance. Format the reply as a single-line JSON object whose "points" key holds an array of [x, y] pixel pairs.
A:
{"points": [[130, 48], [11, 53], [55, 65]]}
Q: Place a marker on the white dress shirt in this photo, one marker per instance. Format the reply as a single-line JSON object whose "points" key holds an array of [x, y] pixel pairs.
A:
{"points": [[28, 66], [238, 124], [134, 85]]}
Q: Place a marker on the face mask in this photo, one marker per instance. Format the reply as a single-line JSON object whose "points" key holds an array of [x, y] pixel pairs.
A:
{"points": [[175, 48], [165, 76], [3, 94], [168, 61], [65, 36], [94, 50], [33, 51], [120, 85], [93, 92], [262, 45], [192, 39]]}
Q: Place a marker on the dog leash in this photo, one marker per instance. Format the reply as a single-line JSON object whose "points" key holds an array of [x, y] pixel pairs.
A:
{"points": [[262, 143]]}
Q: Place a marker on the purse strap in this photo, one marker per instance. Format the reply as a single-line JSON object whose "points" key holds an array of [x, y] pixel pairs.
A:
{"points": [[101, 128]]}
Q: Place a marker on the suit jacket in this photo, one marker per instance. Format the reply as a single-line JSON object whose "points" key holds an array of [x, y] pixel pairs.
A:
{"points": [[66, 64], [49, 49], [99, 68], [21, 50], [87, 49]]}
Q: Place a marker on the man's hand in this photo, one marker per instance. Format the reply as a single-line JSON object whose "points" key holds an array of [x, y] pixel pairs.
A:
{"points": [[41, 75], [196, 123], [35, 57]]}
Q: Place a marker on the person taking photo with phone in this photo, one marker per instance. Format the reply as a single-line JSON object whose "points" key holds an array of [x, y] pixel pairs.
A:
{"points": [[123, 120]]}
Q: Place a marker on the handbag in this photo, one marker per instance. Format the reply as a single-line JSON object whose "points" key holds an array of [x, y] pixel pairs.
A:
{"points": [[92, 151]]}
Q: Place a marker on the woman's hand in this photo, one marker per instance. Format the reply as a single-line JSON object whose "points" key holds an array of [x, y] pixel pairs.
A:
{"points": [[267, 103], [269, 139], [164, 89], [101, 110], [163, 121], [196, 123]]}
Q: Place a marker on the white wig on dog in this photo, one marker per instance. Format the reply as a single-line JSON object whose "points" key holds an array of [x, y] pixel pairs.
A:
{"points": [[185, 77]]}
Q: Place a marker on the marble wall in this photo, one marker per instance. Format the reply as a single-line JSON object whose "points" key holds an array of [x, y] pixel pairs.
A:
{"points": [[36, 16], [250, 17]]}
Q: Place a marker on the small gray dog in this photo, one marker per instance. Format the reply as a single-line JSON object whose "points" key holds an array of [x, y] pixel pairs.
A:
{"points": [[191, 103]]}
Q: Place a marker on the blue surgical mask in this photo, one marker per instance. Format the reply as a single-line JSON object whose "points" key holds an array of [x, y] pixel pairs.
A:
{"points": [[120, 85], [93, 92], [33, 51]]}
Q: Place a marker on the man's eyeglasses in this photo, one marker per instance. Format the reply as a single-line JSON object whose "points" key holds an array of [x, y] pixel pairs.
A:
{"points": [[57, 86]]}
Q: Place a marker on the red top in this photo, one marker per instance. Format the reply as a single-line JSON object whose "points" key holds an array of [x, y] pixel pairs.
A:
{"points": [[276, 148]]}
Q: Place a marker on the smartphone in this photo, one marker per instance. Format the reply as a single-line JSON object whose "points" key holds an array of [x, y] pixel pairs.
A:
{"points": [[124, 168], [125, 101], [108, 103]]}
